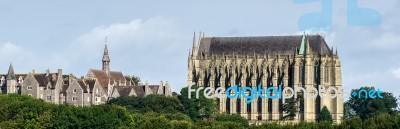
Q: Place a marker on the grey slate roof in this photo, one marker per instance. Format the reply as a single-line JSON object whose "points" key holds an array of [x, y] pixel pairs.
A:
{"points": [[11, 73], [43, 79], [154, 88], [139, 90], [123, 90], [272, 45]]}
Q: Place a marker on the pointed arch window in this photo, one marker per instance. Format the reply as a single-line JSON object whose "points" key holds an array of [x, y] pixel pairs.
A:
{"points": [[301, 72], [316, 73], [326, 74]]}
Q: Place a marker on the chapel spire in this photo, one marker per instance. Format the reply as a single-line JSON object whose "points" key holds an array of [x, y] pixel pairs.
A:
{"points": [[106, 59]]}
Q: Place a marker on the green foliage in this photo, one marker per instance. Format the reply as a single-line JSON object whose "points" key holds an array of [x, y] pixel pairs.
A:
{"points": [[232, 118], [135, 79], [348, 111], [197, 108], [290, 107], [25, 112], [179, 112], [325, 115], [153, 122], [150, 103], [352, 123], [181, 124], [367, 107]]}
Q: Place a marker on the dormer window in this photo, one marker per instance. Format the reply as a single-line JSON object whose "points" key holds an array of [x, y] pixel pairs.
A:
{"points": [[20, 79], [2, 80]]}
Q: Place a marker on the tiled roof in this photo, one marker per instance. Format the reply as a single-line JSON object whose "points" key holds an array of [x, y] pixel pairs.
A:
{"points": [[83, 85], [90, 83], [43, 79], [117, 76], [154, 88], [261, 45], [123, 90], [103, 78], [139, 90]]}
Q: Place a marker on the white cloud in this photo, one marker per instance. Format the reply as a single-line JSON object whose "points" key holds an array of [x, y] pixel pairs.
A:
{"points": [[396, 73], [8, 49], [387, 41], [19, 56]]}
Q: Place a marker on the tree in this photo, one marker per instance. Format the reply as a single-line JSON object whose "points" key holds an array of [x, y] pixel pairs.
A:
{"points": [[232, 118], [325, 115], [366, 107], [150, 103], [291, 108], [135, 79], [348, 111], [197, 108]]}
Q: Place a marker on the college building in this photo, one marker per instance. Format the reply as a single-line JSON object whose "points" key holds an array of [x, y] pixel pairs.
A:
{"points": [[96, 88]]}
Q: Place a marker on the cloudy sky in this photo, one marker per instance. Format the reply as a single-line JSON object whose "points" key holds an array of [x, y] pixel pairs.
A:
{"points": [[151, 38]]}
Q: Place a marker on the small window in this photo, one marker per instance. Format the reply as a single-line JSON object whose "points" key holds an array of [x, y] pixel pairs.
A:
{"points": [[29, 87], [29, 95], [74, 98], [48, 98], [74, 90]]}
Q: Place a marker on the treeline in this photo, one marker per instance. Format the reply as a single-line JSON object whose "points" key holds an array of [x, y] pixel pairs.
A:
{"points": [[179, 112], [153, 111]]}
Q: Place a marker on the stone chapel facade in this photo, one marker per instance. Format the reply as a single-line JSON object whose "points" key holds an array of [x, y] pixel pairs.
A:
{"points": [[292, 61]]}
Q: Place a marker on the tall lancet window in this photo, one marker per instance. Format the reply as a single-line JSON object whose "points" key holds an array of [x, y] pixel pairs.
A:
{"points": [[301, 72], [326, 74], [316, 73]]}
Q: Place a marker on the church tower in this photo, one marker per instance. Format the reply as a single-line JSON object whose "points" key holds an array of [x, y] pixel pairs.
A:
{"points": [[11, 80], [106, 61]]}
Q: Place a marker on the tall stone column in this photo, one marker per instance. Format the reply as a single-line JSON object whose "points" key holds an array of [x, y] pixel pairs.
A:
{"points": [[265, 114], [254, 106], [233, 105], [243, 108], [275, 102]]}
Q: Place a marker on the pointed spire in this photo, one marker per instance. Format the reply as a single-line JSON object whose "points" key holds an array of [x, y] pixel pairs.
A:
{"points": [[303, 45], [106, 57], [336, 53], [194, 40], [11, 73], [308, 50], [199, 40]]}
